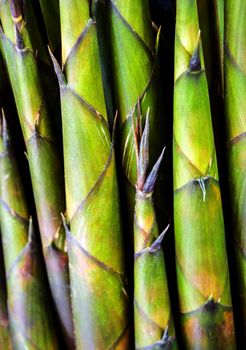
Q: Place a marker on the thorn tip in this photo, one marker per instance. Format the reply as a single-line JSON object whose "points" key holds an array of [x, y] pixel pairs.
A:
{"points": [[195, 61]]}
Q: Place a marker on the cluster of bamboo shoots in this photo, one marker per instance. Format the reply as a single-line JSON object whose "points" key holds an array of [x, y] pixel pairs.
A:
{"points": [[116, 231]]}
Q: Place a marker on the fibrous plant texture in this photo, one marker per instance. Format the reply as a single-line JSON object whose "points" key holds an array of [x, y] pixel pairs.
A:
{"points": [[206, 314], [235, 89], [95, 242], [30, 320], [34, 88], [136, 82], [152, 311]]}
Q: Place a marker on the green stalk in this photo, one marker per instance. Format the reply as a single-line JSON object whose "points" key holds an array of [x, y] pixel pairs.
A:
{"points": [[206, 23], [235, 107], [5, 340], [51, 15], [34, 87], [219, 12], [206, 314], [153, 320], [211, 21], [28, 307], [95, 247], [136, 81], [211, 18]]}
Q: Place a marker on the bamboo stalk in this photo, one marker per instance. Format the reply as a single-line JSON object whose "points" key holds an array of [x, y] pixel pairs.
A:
{"points": [[95, 242], [51, 16], [206, 314], [136, 78], [28, 307], [5, 340], [152, 312], [219, 12], [34, 88], [235, 107]]}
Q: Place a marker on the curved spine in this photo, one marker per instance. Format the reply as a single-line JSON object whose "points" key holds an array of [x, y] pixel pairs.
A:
{"points": [[34, 88], [136, 74], [95, 244], [153, 322], [30, 319], [235, 107], [206, 314]]}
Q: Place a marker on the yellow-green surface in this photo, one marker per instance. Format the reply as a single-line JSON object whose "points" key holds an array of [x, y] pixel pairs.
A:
{"points": [[153, 322], [235, 107], [95, 242], [51, 16], [136, 77], [5, 341], [30, 318], [34, 87], [206, 315]]}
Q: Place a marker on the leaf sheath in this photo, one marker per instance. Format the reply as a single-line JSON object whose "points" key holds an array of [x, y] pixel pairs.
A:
{"points": [[206, 314], [136, 74], [30, 320], [153, 322], [35, 90], [235, 107], [95, 246]]}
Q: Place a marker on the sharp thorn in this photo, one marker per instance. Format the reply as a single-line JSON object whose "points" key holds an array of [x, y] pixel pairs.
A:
{"points": [[157, 42], [157, 243], [151, 180], [195, 61], [30, 230], [114, 126], [60, 76], [165, 335], [143, 158], [139, 119], [4, 129], [65, 225], [135, 136]]}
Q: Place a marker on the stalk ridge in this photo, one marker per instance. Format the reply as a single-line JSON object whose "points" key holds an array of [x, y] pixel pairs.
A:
{"points": [[35, 93], [152, 313], [206, 314], [94, 238]]}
